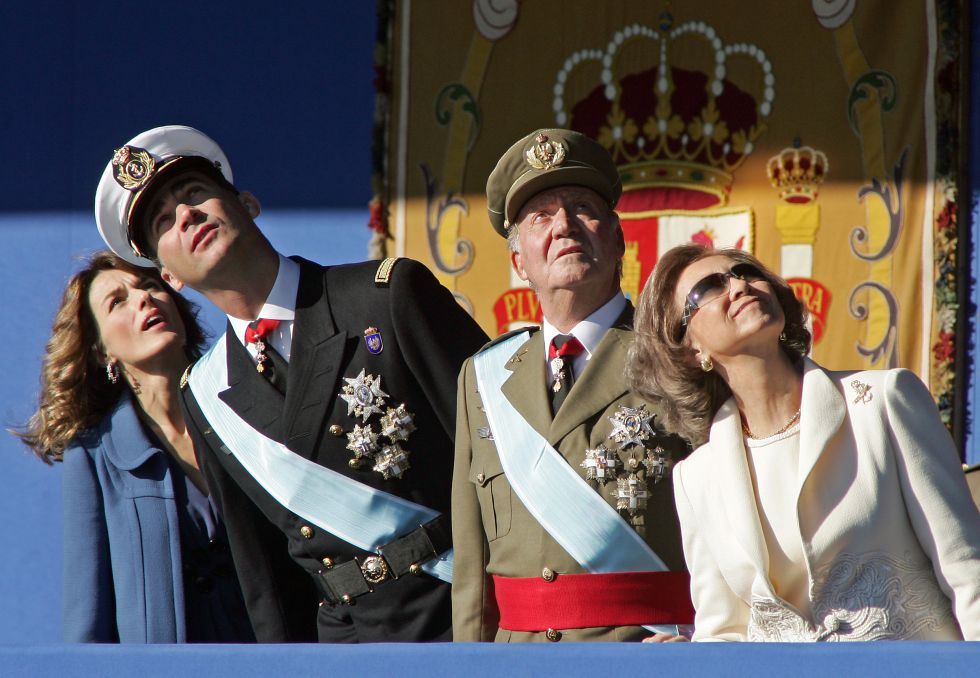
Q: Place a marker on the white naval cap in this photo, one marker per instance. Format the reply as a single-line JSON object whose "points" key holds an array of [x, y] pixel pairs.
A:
{"points": [[137, 166]]}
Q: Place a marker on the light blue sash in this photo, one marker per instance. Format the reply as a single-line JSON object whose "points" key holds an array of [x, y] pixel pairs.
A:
{"points": [[574, 514], [581, 521], [360, 515]]}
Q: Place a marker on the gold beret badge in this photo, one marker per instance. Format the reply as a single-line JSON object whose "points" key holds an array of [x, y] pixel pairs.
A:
{"points": [[132, 167], [545, 154]]}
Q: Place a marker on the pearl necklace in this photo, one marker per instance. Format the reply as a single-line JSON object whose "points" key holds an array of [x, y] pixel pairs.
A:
{"points": [[787, 426]]}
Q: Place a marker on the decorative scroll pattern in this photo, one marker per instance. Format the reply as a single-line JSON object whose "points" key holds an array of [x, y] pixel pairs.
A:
{"points": [[435, 211], [859, 311], [890, 195], [880, 81], [453, 93]]}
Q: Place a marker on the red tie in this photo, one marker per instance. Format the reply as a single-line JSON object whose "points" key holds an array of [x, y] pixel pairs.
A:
{"points": [[260, 330], [564, 345]]}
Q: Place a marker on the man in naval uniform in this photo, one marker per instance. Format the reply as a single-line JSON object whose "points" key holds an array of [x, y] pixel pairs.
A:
{"points": [[322, 419], [559, 469]]}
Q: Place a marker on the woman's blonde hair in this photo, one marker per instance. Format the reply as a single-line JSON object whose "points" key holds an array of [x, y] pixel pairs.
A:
{"points": [[661, 365], [75, 391]]}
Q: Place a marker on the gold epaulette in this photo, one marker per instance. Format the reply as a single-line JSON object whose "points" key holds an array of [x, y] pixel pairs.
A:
{"points": [[382, 276], [185, 376]]}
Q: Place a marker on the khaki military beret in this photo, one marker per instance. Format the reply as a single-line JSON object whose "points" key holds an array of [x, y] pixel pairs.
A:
{"points": [[545, 159]]}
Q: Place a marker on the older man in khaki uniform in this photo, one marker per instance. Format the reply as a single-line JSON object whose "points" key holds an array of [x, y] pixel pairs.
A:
{"points": [[563, 513]]}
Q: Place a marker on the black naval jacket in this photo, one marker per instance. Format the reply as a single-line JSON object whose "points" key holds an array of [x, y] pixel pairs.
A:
{"points": [[426, 337]]}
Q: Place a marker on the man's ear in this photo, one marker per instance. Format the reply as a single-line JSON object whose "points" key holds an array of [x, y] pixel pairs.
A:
{"points": [[620, 237], [252, 204], [515, 261], [172, 280]]}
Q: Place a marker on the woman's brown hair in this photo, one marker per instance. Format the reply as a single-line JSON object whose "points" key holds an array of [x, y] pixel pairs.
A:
{"points": [[661, 365], [75, 391]]}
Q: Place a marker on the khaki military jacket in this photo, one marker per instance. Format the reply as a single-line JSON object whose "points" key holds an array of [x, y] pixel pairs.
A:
{"points": [[494, 534]]}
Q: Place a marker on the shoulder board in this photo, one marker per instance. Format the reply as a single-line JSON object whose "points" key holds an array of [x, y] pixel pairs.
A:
{"points": [[382, 277], [507, 335], [185, 376]]}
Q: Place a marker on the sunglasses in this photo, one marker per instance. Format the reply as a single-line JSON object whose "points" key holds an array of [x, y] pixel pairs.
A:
{"points": [[715, 286]]}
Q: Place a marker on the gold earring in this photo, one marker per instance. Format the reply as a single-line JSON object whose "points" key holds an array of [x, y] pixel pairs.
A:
{"points": [[782, 336], [706, 364], [112, 371]]}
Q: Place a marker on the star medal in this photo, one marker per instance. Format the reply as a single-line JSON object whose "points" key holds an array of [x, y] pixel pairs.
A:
{"points": [[631, 494], [631, 426], [391, 461], [363, 395], [600, 464], [397, 423], [362, 441], [655, 461]]}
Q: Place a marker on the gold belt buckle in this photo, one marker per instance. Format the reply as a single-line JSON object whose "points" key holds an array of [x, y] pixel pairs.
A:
{"points": [[374, 569]]}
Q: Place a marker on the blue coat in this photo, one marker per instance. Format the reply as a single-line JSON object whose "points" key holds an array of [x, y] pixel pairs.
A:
{"points": [[122, 566]]}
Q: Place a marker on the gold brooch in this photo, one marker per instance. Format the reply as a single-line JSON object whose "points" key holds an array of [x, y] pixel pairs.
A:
{"points": [[132, 167], [862, 390], [545, 154]]}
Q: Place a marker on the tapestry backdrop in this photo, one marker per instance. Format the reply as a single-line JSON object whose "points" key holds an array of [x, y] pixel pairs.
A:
{"points": [[814, 134]]}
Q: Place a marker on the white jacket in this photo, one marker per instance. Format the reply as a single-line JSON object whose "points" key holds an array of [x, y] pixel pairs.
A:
{"points": [[889, 532]]}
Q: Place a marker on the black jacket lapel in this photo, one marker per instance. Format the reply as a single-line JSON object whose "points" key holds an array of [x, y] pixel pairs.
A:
{"points": [[314, 364], [250, 394]]}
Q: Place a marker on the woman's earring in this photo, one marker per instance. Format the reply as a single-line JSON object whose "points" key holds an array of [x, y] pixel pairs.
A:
{"points": [[782, 337], [706, 364], [112, 371]]}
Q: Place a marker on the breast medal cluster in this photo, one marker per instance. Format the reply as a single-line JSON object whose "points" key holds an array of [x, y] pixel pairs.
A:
{"points": [[632, 429], [380, 446]]}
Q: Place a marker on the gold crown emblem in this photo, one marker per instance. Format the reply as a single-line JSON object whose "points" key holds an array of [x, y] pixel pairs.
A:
{"points": [[132, 167], [545, 154], [702, 127], [797, 173]]}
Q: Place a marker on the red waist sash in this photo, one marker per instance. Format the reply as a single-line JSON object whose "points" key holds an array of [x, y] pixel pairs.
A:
{"points": [[575, 601]]}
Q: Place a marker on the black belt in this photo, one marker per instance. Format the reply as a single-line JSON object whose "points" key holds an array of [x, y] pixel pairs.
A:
{"points": [[344, 582]]}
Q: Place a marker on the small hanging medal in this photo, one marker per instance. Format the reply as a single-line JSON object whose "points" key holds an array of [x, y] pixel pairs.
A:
{"points": [[260, 356], [655, 461], [362, 441], [631, 494], [600, 464], [391, 461], [556, 366], [397, 423]]}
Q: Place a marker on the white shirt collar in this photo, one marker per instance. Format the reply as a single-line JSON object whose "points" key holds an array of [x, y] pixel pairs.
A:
{"points": [[590, 331], [281, 302]]}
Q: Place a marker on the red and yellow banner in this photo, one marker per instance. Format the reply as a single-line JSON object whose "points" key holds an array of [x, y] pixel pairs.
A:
{"points": [[805, 133]]}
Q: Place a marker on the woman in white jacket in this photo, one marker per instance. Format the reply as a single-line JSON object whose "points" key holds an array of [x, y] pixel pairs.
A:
{"points": [[820, 505]]}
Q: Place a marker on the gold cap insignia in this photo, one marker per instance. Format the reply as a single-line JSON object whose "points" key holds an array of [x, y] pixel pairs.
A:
{"points": [[132, 167], [545, 154]]}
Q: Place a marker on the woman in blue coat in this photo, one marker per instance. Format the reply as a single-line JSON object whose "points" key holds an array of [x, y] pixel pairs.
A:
{"points": [[145, 555]]}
